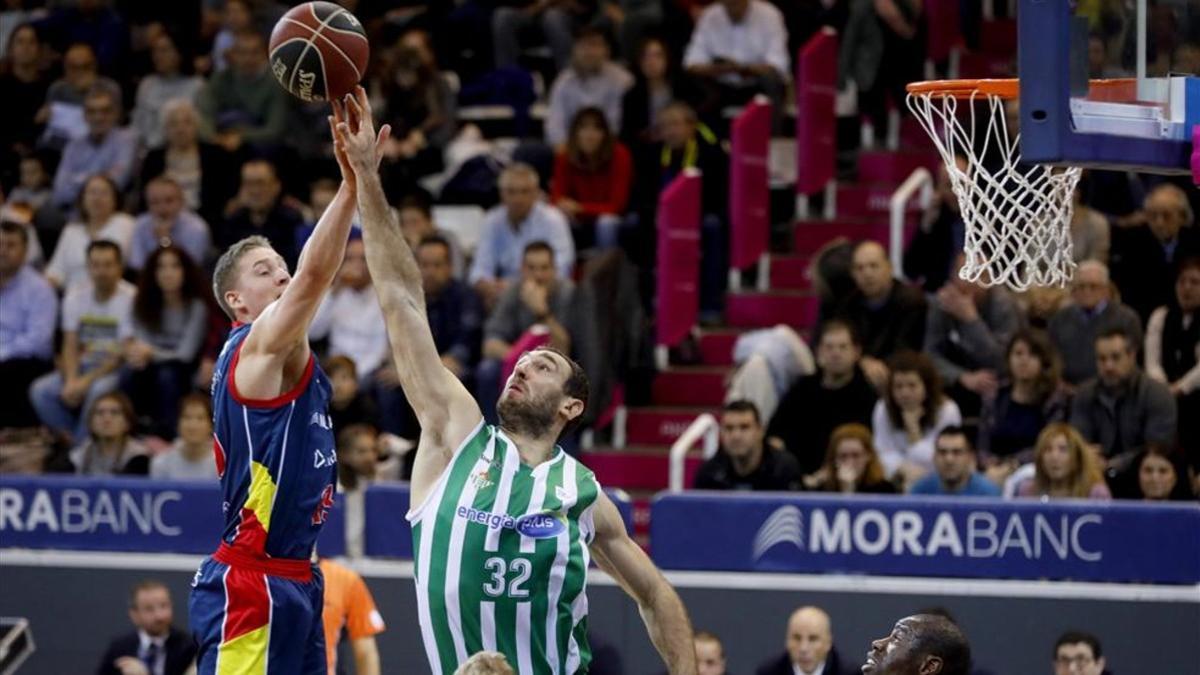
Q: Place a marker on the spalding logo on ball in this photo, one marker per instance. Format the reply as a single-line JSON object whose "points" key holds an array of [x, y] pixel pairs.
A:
{"points": [[318, 51]]}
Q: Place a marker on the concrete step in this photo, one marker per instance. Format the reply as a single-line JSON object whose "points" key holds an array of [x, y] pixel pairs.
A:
{"points": [[763, 310], [684, 386], [636, 471], [660, 425], [716, 346], [790, 272], [867, 200]]}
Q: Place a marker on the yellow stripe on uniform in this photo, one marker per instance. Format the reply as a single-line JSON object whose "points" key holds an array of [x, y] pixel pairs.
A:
{"points": [[262, 494], [245, 654]]}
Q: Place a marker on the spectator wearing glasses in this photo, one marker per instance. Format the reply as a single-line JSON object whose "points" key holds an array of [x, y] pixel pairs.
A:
{"points": [[105, 149], [1094, 310], [1146, 258], [1078, 653]]}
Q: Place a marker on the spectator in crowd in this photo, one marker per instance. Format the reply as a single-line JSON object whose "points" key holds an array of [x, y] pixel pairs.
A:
{"points": [[851, 464], [1064, 466], [243, 104], [887, 315], [33, 192], [521, 219], [167, 82], [955, 469], [1094, 311], [190, 456], [1040, 304], [99, 220], [1077, 653], [349, 606], [416, 222], [967, 328], [901, 60], [203, 171], [23, 86], [110, 448], [348, 405], [28, 309], [542, 297], [1173, 351], [106, 149], [710, 654], [592, 81], [237, 17], [1160, 475], [157, 647], [908, 418], [738, 49], [167, 222], [930, 254], [1033, 397], [259, 209], [657, 82], [96, 320], [454, 311], [358, 467], [1146, 258], [65, 97], [421, 109], [557, 21], [809, 647], [838, 393], [924, 643], [1122, 409], [592, 177], [350, 316], [1090, 237], [170, 314], [744, 461]]}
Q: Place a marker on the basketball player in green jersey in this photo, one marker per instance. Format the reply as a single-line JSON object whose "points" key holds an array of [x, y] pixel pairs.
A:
{"points": [[504, 522]]}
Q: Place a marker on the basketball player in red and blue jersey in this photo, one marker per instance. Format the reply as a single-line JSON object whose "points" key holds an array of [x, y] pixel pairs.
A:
{"points": [[256, 602]]}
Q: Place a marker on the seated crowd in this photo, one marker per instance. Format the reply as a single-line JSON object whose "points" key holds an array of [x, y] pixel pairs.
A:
{"points": [[148, 149]]}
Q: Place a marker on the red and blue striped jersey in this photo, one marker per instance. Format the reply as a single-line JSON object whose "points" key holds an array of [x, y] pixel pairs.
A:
{"points": [[276, 459]]}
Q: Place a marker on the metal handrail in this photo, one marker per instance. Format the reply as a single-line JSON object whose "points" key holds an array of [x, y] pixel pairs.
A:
{"points": [[919, 179], [703, 427]]}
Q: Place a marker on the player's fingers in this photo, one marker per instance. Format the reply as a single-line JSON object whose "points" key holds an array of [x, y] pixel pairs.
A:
{"points": [[337, 109]]}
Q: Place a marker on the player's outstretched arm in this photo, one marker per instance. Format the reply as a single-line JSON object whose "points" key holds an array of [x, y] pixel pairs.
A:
{"points": [[662, 610], [283, 326], [446, 410]]}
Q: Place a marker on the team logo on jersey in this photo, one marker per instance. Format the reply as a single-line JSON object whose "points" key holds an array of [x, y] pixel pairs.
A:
{"points": [[320, 460], [482, 480], [321, 420], [322, 511], [545, 525]]}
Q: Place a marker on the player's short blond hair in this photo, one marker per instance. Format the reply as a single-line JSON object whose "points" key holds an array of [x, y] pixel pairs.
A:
{"points": [[226, 271]]}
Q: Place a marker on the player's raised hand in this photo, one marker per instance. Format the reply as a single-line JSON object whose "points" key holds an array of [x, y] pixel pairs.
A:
{"points": [[363, 146], [339, 145]]}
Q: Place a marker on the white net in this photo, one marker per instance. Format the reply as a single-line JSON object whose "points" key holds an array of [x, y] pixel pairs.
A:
{"points": [[1017, 216]]}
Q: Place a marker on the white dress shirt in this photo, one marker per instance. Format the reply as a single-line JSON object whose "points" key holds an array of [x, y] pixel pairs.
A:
{"points": [[760, 37]]}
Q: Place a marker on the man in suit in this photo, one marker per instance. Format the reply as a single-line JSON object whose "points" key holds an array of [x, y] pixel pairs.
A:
{"points": [[157, 647], [809, 647]]}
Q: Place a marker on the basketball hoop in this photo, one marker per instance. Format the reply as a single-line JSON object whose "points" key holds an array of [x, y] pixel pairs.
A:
{"points": [[1017, 216]]}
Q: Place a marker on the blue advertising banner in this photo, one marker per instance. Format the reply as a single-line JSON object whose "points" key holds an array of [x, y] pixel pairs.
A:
{"points": [[911, 536], [387, 533], [124, 514]]}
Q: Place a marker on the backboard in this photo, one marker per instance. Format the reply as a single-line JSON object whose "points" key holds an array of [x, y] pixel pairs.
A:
{"points": [[1143, 124]]}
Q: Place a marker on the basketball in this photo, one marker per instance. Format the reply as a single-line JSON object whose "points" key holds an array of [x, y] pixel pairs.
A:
{"points": [[318, 51]]}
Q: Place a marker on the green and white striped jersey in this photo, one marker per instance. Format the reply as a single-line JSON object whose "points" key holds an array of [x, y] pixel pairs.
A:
{"points": [[501, 557]]}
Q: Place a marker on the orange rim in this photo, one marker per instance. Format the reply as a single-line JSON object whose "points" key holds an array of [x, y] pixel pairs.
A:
{"points": [[1115, 90]]}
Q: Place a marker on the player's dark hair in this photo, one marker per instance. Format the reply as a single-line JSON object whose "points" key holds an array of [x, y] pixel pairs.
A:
{"points": [[435, 240], [743, 405], [535, 246], [16, 229], [834, 325], [576, 386], [939, 636], [954, 430], [103, 245], [1074, 637]]}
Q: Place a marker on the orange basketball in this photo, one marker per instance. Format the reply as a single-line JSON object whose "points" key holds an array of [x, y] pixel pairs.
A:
{"points": [[318, 51]]}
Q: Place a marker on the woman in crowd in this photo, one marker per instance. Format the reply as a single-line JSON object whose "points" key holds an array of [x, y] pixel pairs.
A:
{"points": [[167, 82], [907, 420], [1064, 467], [111, 449], [204, 171], [851, 464], [657, 81], [357, 459], [99, 218], [191, 456], [1032, 397], [421, 109], [170, 318], [591, 181], [1173, 351], [1161, 475]]}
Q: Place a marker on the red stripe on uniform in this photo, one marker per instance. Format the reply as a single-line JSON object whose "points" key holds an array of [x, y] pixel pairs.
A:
{"points": [[250, 534], [248, 603], [219, 456]]}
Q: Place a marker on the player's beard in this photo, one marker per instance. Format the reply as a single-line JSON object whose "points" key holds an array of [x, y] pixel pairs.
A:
{"points": [[527, 417]]}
